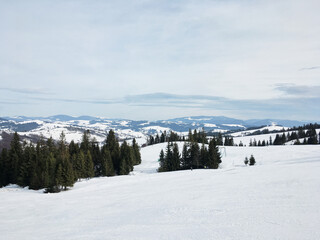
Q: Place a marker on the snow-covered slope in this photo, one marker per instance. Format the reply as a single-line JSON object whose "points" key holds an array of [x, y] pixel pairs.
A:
{"points": [[279, 198], [73, 127]]}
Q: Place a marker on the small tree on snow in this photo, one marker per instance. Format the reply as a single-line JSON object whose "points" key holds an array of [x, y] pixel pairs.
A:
{"points": [[252, 161]]}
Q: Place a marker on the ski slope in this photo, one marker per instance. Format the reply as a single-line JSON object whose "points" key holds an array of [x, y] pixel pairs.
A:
{"points": [[279, 198]]}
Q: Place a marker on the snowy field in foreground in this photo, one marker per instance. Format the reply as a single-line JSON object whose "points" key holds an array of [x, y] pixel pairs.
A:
{"points": [[279, 198]]}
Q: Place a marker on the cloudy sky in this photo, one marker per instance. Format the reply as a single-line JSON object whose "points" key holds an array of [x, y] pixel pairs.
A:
{"points": [[150, 59]]}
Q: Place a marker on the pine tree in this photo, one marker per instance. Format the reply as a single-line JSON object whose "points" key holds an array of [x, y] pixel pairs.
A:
{"points": [[15, 155], [65, 175], [214, 155], [204, 156], [185, 160], [252, 161], [190, 136], [85, 143], [79, 165], [73, 148], [194, 155], [162, 162], [136, 152], [126, 154], [114, 148], [175, 158], [27, 166], [168, 158], [58, 179], [6, 166], [246, 161], [52, 172], [107, 165], [96, 157], [88, 166], [219, 139]]}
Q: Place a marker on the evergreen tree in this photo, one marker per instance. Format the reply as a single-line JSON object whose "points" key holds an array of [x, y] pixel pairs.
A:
{"points": [[79, 165], [85, 143], [126, 155], [136, 152], [185, 160], [15, 156], [73, 148], [113, 146], [96, 157], [204, 156], [168, 158], [107, 165], [88, 165], [27, 166], [194, 155], [252, 161], [219, 140], [65, 175], [52, 187], [162, 162], [5, 166], [214, 155], [175, 165]]}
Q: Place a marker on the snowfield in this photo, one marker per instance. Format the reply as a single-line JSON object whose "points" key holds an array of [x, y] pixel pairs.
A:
{"points": [[279, 198]]}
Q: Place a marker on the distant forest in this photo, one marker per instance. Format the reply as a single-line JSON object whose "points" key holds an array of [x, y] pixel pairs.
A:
{"points": [[305, 134], [56, 167]]}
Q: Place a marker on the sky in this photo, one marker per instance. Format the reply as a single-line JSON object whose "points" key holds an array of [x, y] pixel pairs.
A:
{"points": [[161, 59]]}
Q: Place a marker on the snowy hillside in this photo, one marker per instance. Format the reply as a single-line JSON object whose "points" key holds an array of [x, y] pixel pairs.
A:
{"points": [[31, 128], [279, 198]]}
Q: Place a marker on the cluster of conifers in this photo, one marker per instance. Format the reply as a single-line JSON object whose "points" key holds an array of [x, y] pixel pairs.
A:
{"points": [[192, 156], [57, 166]]}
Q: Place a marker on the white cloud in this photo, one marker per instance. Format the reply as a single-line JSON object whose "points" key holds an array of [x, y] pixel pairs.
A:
{"points": [[111, 49]]}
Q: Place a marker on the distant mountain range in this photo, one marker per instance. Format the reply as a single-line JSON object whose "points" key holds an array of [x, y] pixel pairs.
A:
{"points": [[73, 127]]}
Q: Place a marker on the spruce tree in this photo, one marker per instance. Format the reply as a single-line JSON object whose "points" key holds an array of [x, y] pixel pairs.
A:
{"points": [[89, 167], [126, 154], [246, 161], [79, 166], [107, 165], [195, 155], [85, 143], [114, 148], [162, 162], [214, 158], [252, 161], [185, 160], [6, 165], [204, 156], [136, 152], [15, 156], [168, 158], [175, 158]]}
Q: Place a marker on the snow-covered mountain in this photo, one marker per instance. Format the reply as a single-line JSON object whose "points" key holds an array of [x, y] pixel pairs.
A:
{"points": [[73, 127]]}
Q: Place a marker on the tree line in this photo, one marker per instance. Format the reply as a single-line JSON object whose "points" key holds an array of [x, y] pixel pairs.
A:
{"points": [[56, 167], [309, 136], [193, 136]]}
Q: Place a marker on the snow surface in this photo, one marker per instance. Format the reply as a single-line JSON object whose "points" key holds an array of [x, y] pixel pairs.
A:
{"points": [[276, 199], [246, 132], [234, 125], [210, 125]]}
